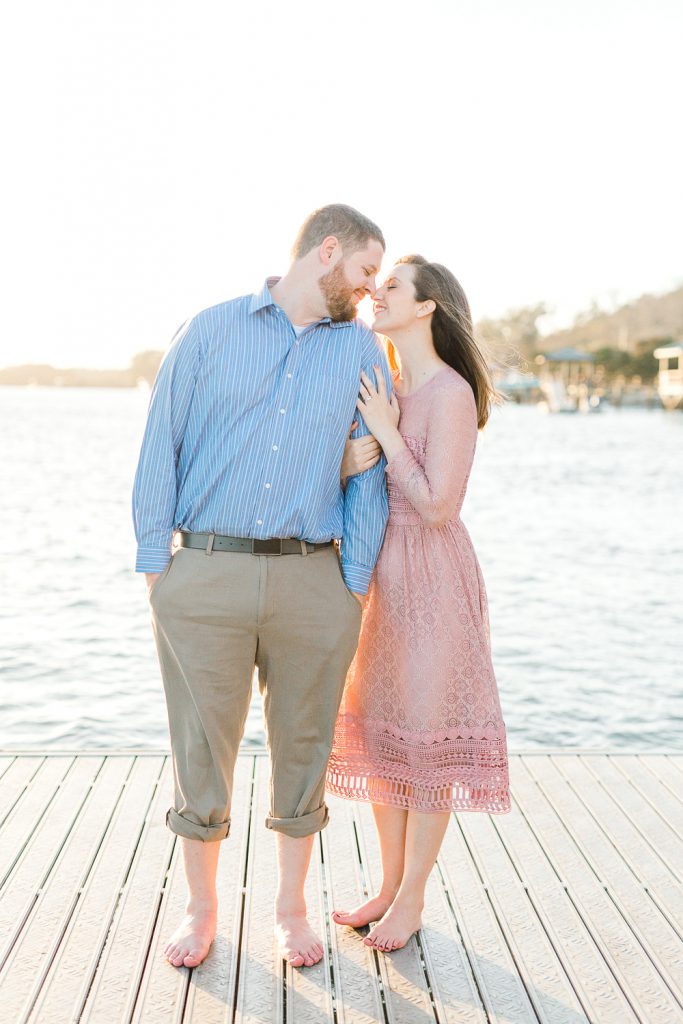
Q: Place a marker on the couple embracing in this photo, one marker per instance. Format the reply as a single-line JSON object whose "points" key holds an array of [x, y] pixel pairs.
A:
{"points": [[338, 565]]}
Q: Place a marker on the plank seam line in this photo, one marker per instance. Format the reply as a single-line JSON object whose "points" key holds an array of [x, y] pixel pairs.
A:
{"points": [[244, 890], [467, 945], [85, 874], [632, 822], [89, 980], [421, 947], [509, 940], [647, 799], [27, 844], [136, 987], [654, 960], [660, 780], [365, 880], [57, 854], [24, 789], [545, 923], [611, 892], [322, 877], [619, 978]]}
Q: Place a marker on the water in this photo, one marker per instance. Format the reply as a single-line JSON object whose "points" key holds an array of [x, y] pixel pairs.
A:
{"points": [[577, 522]]}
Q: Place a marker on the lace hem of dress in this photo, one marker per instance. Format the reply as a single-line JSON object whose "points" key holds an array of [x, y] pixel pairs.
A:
{"points": [[489, 732], [457, 774]]}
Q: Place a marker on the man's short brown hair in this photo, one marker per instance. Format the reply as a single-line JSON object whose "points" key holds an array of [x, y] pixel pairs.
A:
{"points": [[346, 224]]}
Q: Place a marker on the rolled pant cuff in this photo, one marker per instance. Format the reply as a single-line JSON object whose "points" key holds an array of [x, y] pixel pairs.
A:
{"points": [[305, 825], [191, 830]]}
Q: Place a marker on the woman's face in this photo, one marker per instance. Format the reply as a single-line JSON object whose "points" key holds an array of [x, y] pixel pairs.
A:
{"points": [[395, 306]]}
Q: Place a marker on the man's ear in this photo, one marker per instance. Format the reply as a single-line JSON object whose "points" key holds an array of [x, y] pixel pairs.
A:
{"points": [[426, 308], [330, 250]]}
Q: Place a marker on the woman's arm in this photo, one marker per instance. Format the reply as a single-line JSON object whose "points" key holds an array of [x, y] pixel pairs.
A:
{"points": [[438, 490], [360, 454]]}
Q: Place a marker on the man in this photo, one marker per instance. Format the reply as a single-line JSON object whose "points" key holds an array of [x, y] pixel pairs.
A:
{"points": [[241, 454]]}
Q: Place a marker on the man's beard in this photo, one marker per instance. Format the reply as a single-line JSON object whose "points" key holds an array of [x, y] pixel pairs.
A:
{"points": [[338, 294]]}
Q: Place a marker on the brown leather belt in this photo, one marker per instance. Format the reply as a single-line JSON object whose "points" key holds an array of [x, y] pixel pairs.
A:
{"points": [[276, 546]]}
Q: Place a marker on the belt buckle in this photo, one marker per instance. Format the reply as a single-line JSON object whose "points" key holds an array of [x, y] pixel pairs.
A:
{"points": [[273, 546]]}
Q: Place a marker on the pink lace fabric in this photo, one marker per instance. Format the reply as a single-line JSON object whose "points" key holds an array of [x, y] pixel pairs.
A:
{"points": [[420, 724]]}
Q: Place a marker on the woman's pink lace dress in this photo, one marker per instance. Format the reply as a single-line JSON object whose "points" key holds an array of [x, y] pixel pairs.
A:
{"points": [[420, 725]]}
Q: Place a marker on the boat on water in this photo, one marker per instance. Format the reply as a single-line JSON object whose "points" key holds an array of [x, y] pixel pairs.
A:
{"points": [[670, 379]]}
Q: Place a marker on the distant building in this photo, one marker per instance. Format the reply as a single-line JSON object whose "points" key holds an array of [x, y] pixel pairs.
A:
{"points": [[670, 380], [564, 377]]}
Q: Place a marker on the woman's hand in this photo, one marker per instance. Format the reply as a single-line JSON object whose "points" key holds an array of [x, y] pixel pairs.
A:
{"points": [[360, 453], [380, 413]]}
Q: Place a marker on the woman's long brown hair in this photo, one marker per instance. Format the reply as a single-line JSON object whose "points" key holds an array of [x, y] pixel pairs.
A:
{"points": [[452, 330]]}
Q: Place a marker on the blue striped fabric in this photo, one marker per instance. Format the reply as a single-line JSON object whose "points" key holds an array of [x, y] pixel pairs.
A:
{"points": [[245, 434]]}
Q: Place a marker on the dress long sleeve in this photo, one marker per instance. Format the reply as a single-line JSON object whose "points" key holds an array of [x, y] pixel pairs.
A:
{"points": [[437, 490]]}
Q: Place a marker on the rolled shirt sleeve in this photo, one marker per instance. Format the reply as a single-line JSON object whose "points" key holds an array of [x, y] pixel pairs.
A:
{"points": [[365, 500], [155, 487]]}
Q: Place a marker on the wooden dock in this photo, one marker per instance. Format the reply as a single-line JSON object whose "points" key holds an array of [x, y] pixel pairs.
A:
{"points": [[567, 910]]}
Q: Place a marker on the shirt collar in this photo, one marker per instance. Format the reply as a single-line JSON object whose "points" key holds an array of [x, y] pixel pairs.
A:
{"points": [[263, 299]]}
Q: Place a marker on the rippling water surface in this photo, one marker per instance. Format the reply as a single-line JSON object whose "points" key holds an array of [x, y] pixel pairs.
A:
{"points": [[577, 522]]}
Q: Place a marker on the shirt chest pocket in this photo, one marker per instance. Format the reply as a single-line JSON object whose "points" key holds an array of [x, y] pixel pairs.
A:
{"points": [[330, 405]]}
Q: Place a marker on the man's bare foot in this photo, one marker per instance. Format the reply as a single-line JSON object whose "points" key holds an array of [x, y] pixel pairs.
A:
{"points": [[191, 940], [373, 910], [394, 930], [297, 942]]}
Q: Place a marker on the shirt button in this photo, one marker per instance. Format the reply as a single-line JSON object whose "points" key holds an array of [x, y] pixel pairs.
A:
{"points": [[267, 485], [259, 522], [289, 376], [274, 447], [282, 412]]}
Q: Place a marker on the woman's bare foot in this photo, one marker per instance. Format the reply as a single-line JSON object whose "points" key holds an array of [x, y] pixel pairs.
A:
{"points": [[191, 940], [373, 910], [297, 942], [402, 919]]}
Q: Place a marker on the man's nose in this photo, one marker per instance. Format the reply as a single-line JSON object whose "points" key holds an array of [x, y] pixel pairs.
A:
{"points": [[375, 291]]}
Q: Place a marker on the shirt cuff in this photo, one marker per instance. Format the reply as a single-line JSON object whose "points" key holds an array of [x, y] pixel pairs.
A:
{"points": [[356, 577], [152, 559]]}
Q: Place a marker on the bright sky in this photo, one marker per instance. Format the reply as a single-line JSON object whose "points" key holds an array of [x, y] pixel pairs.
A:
{"points": [[160, 156]]}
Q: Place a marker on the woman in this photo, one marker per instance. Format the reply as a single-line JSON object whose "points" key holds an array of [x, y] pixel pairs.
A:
{"points": [[420, 731]]}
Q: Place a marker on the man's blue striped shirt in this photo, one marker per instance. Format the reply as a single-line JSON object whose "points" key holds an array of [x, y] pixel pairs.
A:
{"points": [[245, 434]]}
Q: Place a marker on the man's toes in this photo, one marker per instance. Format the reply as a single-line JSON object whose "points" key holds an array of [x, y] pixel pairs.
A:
{"points": [[193, 958], [295, 959]]}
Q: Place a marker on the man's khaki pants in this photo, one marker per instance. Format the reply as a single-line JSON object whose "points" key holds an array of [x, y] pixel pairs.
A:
{"points": [[215, 616]]}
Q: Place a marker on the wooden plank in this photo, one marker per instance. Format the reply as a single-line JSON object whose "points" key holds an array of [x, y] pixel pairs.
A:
{"points": [[600, 841], [211, 997], [555, 818], [16, 776], [591, 978], [112, 996], [309, 989], [64, 991], [34, 950], [260, 982], [454, 988], [24, 819], [39, 851], [163, 988], [406, 988], [665, 801], [637, 832], [542, 973], [503, 994], [358, 997]]}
